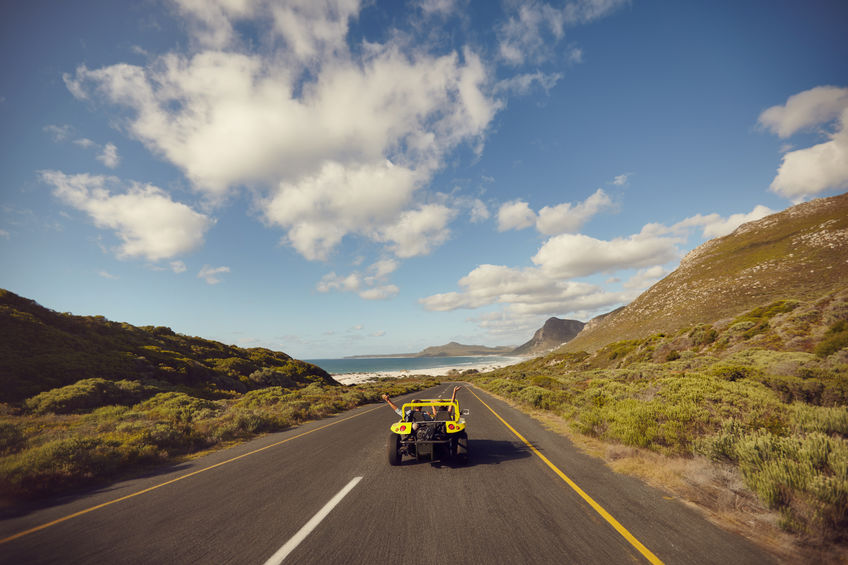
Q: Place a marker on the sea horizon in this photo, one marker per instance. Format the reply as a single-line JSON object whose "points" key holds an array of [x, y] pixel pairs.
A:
{"points": [[412, 365]]}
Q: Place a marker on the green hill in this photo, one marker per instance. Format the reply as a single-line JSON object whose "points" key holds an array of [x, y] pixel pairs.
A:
{"points": [[798, 254], [42, 350]]}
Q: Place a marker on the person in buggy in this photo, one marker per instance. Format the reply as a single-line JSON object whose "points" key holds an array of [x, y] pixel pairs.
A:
{"points": [[408, 411], [432, 416]]}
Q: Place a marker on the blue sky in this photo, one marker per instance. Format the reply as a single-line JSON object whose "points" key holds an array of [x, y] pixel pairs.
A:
{"points": [[350, 177]]}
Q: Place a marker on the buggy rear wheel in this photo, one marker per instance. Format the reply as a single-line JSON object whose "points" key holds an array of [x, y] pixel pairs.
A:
{"points": [[462, 447], [394, 449]]}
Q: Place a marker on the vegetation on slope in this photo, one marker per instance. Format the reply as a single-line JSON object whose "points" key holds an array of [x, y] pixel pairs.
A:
{"points": [[797, 254], [765, 391], [42, 350]]}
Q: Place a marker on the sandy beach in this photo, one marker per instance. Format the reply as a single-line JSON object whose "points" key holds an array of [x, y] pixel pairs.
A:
{"points": [[354, 378]]}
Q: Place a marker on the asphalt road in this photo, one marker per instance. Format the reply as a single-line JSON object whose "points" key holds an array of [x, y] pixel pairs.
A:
{"points": [[324, 493]]}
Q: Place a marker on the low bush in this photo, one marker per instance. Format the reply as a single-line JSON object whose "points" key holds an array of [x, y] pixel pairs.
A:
{"points": [[86, 395], [835, 338]]}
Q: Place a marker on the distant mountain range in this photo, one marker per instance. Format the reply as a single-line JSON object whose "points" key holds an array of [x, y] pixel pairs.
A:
{"points": [[452, 349], [554, 333], [800, 253]]}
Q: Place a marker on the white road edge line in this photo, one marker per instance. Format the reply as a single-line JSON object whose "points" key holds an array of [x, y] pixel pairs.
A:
{"points": [[284, 551]]}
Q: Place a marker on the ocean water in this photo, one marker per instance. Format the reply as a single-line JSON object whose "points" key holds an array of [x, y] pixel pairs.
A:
{"points": [[411, 364]]}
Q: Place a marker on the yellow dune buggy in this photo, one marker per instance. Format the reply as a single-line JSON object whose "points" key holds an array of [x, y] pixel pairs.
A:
{"points": [[429, 429]]}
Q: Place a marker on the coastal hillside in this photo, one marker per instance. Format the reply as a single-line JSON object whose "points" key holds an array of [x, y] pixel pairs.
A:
{"points": [[731, 375], [42, 350], [553, 333], [800, 253]]}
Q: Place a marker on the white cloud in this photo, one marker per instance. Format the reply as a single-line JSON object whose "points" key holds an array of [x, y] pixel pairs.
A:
{"points": [[321, 139], [813, 107], [547, 288], [566, 218], [621, 180], [644, 278], [712, 225], [58, 133], [379, 292], [725, 226], [178, 267], [416, 232], [109, 156], [479, 211], [552, 220], [515, 215], [84, 142], [812, 170], [530, 35], [438, 7], [578, 255], [523, 84], [211, 275], [371, 285], [107, 275], [144, 217]]}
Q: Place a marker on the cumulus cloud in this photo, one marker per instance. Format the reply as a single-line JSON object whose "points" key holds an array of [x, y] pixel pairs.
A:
{"points": [[552, 220], [548, 287], [144, 217], [578, 255], [567, 217], [109, 156], [212, 274], [416, 232], [824, 166], [551, 287], [339, 143], [715, 226], [515, 215], [370, 285]]}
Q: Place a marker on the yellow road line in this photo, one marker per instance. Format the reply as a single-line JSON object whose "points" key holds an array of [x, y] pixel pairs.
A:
{"points": [[172, 481], [598, 508]]}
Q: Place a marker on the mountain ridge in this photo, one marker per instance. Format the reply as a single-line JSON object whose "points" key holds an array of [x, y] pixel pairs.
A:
{"points": [[554, 332], [762, 261], [451, 349]]}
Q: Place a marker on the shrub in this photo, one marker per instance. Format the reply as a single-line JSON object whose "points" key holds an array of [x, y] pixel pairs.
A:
{"points": [[11, 438], [59, 464], [834, 339], [178, 407], [733, 372], [703, 335], [86, 395]]}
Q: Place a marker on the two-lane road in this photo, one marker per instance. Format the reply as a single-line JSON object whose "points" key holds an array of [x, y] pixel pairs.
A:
{"points": [[324, 493]]}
